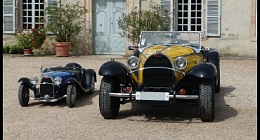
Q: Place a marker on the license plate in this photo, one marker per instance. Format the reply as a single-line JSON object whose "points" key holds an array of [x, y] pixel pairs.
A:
{"points": [[152, 96]]}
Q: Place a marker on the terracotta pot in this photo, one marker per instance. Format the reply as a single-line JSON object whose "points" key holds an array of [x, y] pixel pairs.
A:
{"points": [[27, 52], [62, 48]]}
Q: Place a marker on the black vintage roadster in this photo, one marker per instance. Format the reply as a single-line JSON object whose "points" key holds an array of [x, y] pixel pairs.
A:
{"points": [[167, 67], [57, 83]]}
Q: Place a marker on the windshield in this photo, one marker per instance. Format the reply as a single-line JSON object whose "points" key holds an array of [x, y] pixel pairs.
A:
{"points": [[169, 37]]}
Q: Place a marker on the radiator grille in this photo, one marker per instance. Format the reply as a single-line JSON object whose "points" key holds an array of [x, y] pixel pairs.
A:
{"points": [[158, 77], [46, 87]]}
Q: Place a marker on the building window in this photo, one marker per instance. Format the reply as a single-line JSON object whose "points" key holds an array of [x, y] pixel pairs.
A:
{"points": [[189, 15], [32, 13]]}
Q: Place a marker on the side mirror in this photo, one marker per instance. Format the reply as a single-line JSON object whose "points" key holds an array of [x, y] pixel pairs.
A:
{"points": [[131, 47]]}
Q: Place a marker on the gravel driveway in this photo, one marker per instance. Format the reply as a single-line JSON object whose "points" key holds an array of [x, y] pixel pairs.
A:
{"points": [[235, 108]]}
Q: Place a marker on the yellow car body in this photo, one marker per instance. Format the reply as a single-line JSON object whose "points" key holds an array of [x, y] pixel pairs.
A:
{"points": [[167, 67]]}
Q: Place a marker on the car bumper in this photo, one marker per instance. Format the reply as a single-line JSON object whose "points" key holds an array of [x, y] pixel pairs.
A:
{"points": [[153, 96]]}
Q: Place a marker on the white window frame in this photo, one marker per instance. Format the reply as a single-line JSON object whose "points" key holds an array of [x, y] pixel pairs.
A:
{"points": [[189, 16], [33, 16], [169, 5]]}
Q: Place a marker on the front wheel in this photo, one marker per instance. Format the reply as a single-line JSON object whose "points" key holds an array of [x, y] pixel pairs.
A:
{"points": [[109, 106], [71, 95], [23, 95], [207, 100]]}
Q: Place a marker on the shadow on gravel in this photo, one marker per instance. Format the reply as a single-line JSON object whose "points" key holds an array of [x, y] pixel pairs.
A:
{"points": [[83, 99], [180, 112]]}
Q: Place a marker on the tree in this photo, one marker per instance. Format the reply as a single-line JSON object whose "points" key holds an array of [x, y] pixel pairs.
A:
{"points": [[156, 18]]}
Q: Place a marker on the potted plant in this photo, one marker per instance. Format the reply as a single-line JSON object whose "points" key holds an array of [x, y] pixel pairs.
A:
{"points": [[25, 42], [64, 21], [31, 39]]}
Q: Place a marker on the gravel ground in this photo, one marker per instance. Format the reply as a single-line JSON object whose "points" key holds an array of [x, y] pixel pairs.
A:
{"points": [[235, 108]]}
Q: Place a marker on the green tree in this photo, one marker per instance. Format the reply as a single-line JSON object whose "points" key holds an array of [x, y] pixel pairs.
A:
{"points": [[156, 18]]}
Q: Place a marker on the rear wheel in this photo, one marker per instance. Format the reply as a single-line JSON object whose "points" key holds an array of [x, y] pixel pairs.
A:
{"points": [[23, 95], [92, 86], [109, 106], [207, 100], [217, 90], [71, 95]]}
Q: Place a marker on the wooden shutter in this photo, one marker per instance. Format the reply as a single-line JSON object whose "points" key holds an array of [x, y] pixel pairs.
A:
{"points": [[213, 17], [9, 16], [168, 4]]}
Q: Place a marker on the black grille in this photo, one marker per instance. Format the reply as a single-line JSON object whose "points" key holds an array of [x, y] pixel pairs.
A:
{"points": [[46, 87], [158, 77]]}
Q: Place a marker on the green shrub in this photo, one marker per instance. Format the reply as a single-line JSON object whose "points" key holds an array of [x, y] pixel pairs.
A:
{"points": [[156, 18], [16, 50], [6, 49]]}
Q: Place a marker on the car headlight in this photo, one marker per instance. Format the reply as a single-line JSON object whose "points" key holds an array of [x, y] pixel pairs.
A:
{"points": [[34, 80], [180, 63], [57, 80], [133, 62]]}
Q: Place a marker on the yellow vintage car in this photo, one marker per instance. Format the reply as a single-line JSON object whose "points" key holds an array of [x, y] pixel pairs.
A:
{"points": [[167, 66]]}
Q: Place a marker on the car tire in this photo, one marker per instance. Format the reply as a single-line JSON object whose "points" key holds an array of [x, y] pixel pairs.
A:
{"points": [[207, 100], [92, 86], [109, 106], [71, 95], [217, 89], [23, 95]]}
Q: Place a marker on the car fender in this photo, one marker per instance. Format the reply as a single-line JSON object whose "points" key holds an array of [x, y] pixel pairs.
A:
{"points": [[204, 70], [113, 68], [70, 81], [89, 75], [26, 81]]}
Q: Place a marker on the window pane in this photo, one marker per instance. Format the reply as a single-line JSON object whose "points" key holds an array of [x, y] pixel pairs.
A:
{"points": [[24, 6], [193, 28], [199, 7], [29, 6], [29, 13], [185, 7], [41, 13], [193, 21], [179, 14], [193, 14], [29, 1], [185, 21], [24, 13], [36, 6], [179, 7], [199, 14], [29, 19], [193, 7], [24, 19], [36, 1], [42, 6], [36, 13], [185, 14], [179, 21], [179, 28], [198, 28], [185, 28], [199, 21]]}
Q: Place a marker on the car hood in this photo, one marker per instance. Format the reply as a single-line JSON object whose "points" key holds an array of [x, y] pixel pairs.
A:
{"points": [[171, 51], [54, 74]]}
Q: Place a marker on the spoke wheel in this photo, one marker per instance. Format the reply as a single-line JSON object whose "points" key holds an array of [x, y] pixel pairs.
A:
{"points": [[23, 95], [71, 95]]}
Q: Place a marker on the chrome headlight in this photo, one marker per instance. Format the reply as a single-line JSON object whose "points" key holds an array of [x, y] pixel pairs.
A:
{"points": [[34, 80], [57, 80], [133, 62], [180, 63]]}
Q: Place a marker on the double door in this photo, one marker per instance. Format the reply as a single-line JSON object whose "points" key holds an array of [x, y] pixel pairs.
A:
{"points": [[108, 38]]}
